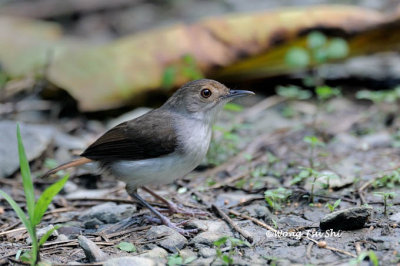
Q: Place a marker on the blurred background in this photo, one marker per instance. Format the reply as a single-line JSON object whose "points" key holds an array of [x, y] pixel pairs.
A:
{"points": [[324, 118], [94, 56]]}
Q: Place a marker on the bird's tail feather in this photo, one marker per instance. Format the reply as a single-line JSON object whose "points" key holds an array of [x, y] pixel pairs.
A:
{"points": [[74, 163]]}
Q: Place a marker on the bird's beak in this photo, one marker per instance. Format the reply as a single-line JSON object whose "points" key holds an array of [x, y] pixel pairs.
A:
{"points": [[238, 93]]}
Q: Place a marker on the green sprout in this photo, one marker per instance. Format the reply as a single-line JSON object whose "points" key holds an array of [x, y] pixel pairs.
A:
{"points": [[36, 209], [388, 181], [234, 242], [308, 172], [126, 246], [334, 206], [366, 254], [176, 259], [186, 67], [276, 197], [385, 196], [313, 142]]}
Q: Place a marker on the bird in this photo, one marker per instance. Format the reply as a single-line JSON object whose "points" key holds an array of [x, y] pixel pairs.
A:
{"points": [[162, 145]]}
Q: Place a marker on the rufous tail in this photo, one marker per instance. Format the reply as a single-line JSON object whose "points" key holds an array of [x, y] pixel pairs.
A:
{"points": [[73, 163]]}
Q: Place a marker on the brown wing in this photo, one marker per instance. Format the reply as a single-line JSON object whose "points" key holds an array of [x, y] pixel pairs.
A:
{"points": [[149, 136]]}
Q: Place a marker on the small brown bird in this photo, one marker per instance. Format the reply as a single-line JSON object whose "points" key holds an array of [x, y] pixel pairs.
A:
{"points": [[163, 144]]}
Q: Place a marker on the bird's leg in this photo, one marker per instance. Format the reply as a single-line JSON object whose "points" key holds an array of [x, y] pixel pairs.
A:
{"points": [[173, 207], [164, 220]]}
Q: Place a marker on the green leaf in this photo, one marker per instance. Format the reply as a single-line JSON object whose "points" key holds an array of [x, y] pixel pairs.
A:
{"points": [[190, 259], [168, 78], [46, 236], [174, 260], [297, 57], [293, 92], [46, 198], [27, 223], [326, 92], [221, 241], [233, 107], [337, 203], [227, 259], [316, 39], [26, 177], [337, 48], [126, 246]]}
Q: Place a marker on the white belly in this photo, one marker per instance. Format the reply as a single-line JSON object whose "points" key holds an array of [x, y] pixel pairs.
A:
{"points": [[194, 141]]}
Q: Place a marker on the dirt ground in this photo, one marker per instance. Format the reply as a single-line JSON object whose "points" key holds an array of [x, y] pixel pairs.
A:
{"points": [[264, 150]]}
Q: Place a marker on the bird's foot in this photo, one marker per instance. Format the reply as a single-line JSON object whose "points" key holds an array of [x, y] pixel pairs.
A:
{"points": [[167, 222]]}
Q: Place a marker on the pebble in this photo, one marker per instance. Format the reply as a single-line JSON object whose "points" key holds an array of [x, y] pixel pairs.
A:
{"points": [[36, 139], [137, 261], [348, 219], [395, 217], [207, 252], [260, 212], [157, 253], [40, 232], [92, 251], [108, 212], [93, 223], [172, 240]]}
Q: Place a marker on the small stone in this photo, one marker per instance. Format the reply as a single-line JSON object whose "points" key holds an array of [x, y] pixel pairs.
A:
{"points": [[348, 219], [395, 217], [137, 261], [207, 252], [187, 253], [173, 241], [92, 251], [212, 226], [207, 238], [93, 223], [70, 187], [260, 212], [62, 237], [157, 253], [41, 232], [322, 244], [109, 212], [376, 140], [36, 139]]}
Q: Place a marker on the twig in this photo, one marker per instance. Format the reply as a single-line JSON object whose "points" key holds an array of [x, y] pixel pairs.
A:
{"points": [[254, 220], [258, 222], [309, 248], [13, 231], [228, 181], [331, 248], [224, 216], [358, 248], [127, 231]]}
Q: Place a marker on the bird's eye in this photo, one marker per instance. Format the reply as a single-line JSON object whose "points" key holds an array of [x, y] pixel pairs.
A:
{"points": [[205, 93]]}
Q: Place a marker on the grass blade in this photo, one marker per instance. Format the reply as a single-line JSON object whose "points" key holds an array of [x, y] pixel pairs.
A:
{"points": [[46, 236], [45, 199], [26, 177], [27, 223]]}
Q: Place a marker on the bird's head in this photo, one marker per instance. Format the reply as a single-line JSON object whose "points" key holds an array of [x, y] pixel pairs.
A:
{"points": [[203, 97]]}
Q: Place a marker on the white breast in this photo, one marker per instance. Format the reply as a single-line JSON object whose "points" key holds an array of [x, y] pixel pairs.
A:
{"points": [[194, 138]]}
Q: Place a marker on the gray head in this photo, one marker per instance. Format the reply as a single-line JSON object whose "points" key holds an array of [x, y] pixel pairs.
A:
{"points": [[203, 97]]}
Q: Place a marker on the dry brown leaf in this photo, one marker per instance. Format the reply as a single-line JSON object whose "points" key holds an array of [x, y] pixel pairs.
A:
{"points": [[240, 46]]}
